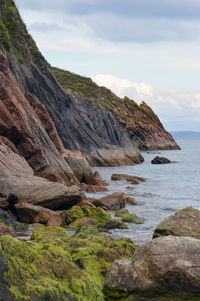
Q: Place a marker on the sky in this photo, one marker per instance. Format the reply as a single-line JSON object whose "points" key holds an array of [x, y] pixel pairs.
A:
{"points": [[148, 50]]}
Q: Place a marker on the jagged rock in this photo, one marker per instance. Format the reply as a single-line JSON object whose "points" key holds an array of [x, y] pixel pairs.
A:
{"points": [[17, 178], [81, 169], [185, 222], [131, 179], [160, 160], [114, 201], [4, 230], [167, 265]]}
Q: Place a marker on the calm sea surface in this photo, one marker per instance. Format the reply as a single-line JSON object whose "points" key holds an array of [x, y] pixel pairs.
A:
{"points": [[170, 187]]}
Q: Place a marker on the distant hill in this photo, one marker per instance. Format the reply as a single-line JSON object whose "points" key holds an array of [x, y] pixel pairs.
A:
{"points": [[185, 134]]}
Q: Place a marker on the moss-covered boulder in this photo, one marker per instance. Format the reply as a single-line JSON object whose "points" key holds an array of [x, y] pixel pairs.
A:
{"points": [[185, 222], [129, 217], [76, 212], [130, 200], [54, 266], [113, 224]]}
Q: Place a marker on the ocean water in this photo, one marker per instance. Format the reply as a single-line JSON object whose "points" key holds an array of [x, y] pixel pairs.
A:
{"points": [[170, 187]]}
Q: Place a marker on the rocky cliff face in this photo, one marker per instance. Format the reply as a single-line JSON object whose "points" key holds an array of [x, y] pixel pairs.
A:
{"points": [[139, 121], [80, 124]]}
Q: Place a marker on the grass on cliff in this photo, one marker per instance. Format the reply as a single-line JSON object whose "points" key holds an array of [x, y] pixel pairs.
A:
{"points": [[15, 37]]}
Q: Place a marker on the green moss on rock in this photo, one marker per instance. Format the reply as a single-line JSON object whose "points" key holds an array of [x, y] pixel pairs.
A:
{"points": [[54, 266]]}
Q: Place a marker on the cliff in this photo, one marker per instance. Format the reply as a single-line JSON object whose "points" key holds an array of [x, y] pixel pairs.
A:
{"points": [[139, 121]]}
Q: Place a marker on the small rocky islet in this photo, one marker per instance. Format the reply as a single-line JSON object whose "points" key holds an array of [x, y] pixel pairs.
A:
{"points": [[55, 125]]}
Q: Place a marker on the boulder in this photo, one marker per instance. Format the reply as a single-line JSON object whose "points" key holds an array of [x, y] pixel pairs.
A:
{"points": [[55, 221], [29, 214], [131, 179], [113, 224], [114, 201], [160, 160], [4, 230], [82, 222], [163, 266], [81, 169], [87, 202], [185, 222], [17, 178]]}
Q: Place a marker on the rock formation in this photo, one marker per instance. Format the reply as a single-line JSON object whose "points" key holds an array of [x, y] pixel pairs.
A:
{"points": [[138, 121]]}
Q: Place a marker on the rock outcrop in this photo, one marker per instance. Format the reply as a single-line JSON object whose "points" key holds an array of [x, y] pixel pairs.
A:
{"points": [[185, 222], [139, 121], [18, 179], [166, 268]]}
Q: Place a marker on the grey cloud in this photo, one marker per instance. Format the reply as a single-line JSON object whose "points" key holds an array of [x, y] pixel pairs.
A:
{"points": [[141, 21], [177, 9]]}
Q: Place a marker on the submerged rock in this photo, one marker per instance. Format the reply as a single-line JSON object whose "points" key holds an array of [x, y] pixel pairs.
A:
{"points": [[160, 160], [185, 222], [131, 179], [166, 268]]}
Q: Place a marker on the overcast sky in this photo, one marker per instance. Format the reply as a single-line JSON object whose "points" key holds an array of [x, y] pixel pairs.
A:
{"points": [[146, 49]]}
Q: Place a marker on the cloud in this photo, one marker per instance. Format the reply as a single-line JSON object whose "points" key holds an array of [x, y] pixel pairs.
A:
{"points": [[126, 21], [172, 106]]}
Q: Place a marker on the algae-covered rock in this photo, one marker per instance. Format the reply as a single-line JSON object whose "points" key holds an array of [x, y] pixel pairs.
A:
{"points": [[81, 222], [164, 269], [185, 222], [130, 200], [113, 224], [76, 212], [129, 217], [54, 266]]}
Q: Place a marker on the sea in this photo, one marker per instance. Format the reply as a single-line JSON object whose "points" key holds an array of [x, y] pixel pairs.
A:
{"points": [[170, 187]]}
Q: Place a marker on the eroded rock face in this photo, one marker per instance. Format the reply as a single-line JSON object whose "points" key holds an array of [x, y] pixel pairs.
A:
{"points": [[17, 178], [162, 265], [30, 130], [185, 222]]}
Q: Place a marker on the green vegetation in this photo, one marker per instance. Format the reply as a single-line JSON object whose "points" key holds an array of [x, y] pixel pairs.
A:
{"points": [[14, 36], [129, 217], [54, 266]]}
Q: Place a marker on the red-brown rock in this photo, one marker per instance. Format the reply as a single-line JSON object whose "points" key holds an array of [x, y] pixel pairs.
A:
{"points": [[85, 203], [55, 221], [94, 188], [98, 179], [29, 129]]}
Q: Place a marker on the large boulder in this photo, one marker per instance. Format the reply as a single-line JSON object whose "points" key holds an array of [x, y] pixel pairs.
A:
{"points": [[185, 222], [17, 178], [167, 266]]}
